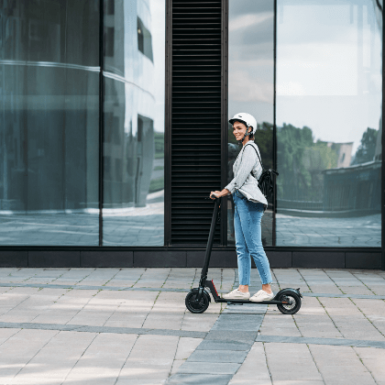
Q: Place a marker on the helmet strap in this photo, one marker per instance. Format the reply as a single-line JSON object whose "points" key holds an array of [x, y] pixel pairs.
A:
{"points": [[244, 136]]}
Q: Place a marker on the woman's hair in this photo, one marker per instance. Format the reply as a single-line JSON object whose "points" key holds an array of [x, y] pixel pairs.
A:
{"points": [[251, 136]]}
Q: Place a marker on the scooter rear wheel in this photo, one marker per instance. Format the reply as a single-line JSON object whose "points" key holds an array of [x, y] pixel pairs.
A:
{"points": [[197, 307], [293, 305]]}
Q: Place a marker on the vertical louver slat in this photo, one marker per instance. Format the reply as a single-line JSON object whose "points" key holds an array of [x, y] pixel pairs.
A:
{"points": [[196, 118]]}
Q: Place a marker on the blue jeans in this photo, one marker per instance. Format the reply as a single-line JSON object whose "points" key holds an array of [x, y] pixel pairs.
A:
{"points": [[248, 239]]}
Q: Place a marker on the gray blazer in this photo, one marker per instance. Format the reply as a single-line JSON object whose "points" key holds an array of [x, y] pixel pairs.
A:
{"points": [[243, 180]]}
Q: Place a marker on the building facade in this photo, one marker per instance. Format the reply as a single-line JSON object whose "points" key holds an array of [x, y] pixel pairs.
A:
{"points": [[114, 129]]}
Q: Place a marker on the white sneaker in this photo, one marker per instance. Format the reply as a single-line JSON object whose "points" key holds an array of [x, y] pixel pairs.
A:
{"points": [[236, 294], [262, 296]]}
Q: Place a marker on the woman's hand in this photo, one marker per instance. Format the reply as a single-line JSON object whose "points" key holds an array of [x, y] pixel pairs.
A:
{"points": [[217, 193]]}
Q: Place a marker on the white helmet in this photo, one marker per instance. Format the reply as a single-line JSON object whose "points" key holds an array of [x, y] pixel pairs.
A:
{"points": [[246, 119]]}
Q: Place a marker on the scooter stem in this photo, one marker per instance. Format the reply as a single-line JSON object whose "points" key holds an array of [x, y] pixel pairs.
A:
{"points": [[210, 241]]}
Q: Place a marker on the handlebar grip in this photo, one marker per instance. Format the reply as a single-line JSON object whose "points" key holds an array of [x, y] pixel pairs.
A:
{"points": [[213, 195]]}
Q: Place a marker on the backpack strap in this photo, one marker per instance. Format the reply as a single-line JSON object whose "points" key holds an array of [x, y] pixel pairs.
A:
{"points": [[259, 157]]}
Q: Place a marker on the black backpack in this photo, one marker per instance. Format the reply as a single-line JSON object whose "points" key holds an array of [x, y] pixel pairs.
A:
{"points": [[266, 180]]}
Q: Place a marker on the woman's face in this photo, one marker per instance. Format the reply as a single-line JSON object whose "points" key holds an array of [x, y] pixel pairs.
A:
{"points": [[239, 130]]}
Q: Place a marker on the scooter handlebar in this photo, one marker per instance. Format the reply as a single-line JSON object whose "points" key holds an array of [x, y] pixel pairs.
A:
{"points": [[212, 195]]}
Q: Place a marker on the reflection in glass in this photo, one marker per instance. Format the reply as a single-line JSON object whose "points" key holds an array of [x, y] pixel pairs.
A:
{"points": [[329, 123], [49, 122], [133, 206], [251, 87]]}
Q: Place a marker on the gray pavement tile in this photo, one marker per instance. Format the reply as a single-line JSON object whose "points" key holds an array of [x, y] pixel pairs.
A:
{"points": [[217, 356], [373, 359], [224, 345], [185, 347], [103, 360], [5, 334], [245, 309], [61, 354], [231, 335], [278, 324], [164, 320], [153, 278], [359, 329], [108, 348], [321, 341], [176, 365], [199, 379], [349, 320], [245, 322], [356, 290], [349, 370], [204, 323], [312, 314], [208, 368], [292, 364], [102, 329], [337, 295], [179, 333], [160, 350], [254, 370], [143, 374], [89, 379], [29, 325], [18, 350], [131, 321], [150, 360], [25, 335]]}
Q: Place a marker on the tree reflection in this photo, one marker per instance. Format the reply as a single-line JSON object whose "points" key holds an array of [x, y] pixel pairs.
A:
{"points": [[319, 176], [367, 148]]}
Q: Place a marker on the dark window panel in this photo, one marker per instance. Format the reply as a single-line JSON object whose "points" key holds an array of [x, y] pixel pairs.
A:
{"points": [[144, 40], [111, 7], [109, 42]]}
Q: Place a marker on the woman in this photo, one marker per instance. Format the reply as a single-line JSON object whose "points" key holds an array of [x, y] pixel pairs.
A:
{"points": [[250, 205]]}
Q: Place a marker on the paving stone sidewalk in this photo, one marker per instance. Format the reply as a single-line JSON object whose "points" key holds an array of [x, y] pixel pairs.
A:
{"points": [[130, 326]]}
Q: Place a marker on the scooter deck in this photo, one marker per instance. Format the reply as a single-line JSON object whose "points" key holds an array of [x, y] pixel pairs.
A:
{"points": [[242, 301]]}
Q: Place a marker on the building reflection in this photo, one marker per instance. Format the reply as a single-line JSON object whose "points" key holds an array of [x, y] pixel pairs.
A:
{"points": [[133, 175], [49, 122]]}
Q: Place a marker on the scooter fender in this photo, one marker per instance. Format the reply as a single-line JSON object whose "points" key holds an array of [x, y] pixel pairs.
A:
{"points": [[197, 291], [288, 291]]}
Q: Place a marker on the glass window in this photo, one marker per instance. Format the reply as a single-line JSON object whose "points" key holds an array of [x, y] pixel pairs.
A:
{"points": [[329, 123], [251, 88], [134, 75], [49, 119]]}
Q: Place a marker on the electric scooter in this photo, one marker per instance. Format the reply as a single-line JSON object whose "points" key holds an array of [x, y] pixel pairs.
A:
{"points": [[198, 299]]}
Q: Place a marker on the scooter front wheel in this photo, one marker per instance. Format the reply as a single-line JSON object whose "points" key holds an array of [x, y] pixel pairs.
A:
{"points": [[292, 305], [195, 306]]}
